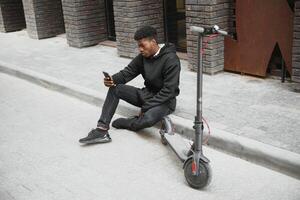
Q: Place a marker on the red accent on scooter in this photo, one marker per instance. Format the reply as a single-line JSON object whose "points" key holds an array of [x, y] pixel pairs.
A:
{"points": [[194, 167]]}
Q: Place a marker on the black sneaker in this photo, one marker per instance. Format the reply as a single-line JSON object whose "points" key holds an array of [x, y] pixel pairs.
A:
{"points": [[96, 135], [123, 123]]}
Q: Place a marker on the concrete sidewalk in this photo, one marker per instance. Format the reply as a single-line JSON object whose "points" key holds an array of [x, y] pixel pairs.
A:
{"points": [[41, 159], [261, 109]]}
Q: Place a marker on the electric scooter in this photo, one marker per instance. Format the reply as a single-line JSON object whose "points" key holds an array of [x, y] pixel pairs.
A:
{"points": [[196, 166]]}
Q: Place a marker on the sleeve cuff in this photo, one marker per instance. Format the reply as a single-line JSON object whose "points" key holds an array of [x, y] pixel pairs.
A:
{"points": [[117, 78], [143, 109]]}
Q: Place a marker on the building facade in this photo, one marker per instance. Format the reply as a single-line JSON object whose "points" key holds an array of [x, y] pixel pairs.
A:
{"points": [[296, 44], [89, 22]]}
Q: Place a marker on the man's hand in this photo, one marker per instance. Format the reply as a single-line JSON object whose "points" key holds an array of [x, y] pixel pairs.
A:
{"points": [[108, 82], [141, 114]]}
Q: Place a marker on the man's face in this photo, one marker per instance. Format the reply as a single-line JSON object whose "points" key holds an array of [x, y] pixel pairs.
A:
{"points": [[147, 47]]}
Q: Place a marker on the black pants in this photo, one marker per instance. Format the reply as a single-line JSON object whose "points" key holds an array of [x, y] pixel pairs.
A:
{"points": [[134, 96]]}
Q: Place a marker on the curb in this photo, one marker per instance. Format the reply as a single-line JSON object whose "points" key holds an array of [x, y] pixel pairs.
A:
{"points": [[266, 155]]}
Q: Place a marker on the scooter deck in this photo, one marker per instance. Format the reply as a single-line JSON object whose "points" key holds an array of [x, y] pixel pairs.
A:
{"points": [[179, 145]]}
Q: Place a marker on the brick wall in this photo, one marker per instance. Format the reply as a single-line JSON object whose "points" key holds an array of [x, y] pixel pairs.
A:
{"points": [[2, 27], [11, 15], [85, 22], [296, 44], [43, 18], [129, 16], [208, 13]]}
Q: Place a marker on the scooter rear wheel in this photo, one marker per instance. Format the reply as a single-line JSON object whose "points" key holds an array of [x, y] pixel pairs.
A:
{"points": [[201, 180]]}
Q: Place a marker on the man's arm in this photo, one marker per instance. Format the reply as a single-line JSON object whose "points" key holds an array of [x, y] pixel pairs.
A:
{"points": [[171, 75], [131, 71]]}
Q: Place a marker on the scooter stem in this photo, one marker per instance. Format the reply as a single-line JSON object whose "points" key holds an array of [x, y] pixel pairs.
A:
{"points": [[198, 119]]}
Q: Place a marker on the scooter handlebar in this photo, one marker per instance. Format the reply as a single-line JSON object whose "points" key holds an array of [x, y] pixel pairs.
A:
{"points": [[197, 29], [215, 29], [218, 30], [222, 32]]}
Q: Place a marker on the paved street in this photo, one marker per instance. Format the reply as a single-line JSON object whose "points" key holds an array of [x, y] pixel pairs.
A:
{"points": [[40, 157], [261, 109]]}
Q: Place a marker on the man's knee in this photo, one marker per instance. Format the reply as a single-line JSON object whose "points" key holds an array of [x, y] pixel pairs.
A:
{"points": [[117, 89]]}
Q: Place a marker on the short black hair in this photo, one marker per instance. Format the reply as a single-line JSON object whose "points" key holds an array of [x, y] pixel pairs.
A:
{"points": [[146, 32]]}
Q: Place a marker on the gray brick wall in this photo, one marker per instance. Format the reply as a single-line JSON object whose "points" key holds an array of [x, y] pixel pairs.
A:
{"points": [[129, 16], [44, 18], [85, 22], [2, 26], [11, 15], [207, 13], [296, 44]]}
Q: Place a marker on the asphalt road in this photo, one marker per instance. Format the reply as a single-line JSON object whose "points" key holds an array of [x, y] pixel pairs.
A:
{"points": [[40, 157]]}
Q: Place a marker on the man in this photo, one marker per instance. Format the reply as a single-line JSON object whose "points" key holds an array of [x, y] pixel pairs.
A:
{"points": [[160, 68]]}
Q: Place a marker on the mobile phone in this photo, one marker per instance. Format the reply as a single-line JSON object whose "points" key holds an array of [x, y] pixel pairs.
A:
{"points": [[106, 75]]}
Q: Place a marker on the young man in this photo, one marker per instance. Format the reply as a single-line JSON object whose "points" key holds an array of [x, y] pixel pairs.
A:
{"points": [[160, 68]]}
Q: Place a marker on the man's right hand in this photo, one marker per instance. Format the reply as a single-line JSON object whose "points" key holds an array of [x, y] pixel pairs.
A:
{"points": [[108, 82], [141, 114]]}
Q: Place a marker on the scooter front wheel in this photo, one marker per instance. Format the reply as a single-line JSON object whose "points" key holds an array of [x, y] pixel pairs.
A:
{"points": [[202, 179]]}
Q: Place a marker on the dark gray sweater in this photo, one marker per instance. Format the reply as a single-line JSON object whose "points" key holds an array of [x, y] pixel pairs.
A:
{"points": [[161, 74]]}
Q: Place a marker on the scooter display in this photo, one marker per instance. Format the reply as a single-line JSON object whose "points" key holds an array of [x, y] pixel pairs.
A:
{"points": [[197, 170]]}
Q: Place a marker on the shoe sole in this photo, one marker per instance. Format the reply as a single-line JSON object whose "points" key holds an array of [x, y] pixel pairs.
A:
{"points": [[97, 140]]}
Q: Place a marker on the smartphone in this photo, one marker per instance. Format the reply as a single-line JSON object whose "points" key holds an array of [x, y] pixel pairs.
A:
{"points": [[106, 75]]}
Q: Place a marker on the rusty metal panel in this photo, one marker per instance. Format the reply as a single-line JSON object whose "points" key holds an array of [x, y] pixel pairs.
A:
{"points": [[260, 24]]}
